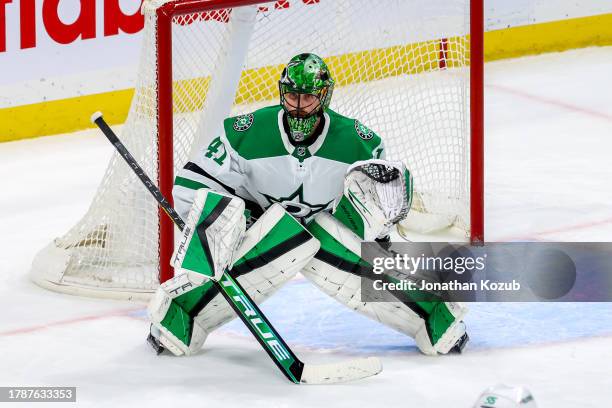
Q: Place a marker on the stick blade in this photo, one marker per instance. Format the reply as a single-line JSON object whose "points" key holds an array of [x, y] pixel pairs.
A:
{"points": [[341, 372]]}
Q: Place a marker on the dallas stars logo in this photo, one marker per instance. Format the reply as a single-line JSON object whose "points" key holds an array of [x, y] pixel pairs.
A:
{"points": [[295, 204], [363, 131], [243, 122]]}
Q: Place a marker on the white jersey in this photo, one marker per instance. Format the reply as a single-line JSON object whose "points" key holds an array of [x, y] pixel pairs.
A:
{"points": [[254, 159]]}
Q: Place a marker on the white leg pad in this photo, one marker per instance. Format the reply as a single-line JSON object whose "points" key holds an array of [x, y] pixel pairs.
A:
{"points": [[158, 308], [345, 287], [274, 249], [260, 283]]}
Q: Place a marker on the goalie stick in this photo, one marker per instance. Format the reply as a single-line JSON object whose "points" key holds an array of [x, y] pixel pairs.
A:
{"points": [[246, 309]]}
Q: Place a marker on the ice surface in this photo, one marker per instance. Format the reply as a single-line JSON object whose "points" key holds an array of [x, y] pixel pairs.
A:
{"points": [[548, 172]]}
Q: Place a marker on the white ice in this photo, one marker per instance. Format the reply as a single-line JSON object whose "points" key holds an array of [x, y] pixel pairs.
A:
{"points": [[548, 172]]}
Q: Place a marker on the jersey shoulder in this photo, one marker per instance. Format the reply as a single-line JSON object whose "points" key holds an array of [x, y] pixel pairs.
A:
{"points": [[348, 140], [255, 135]]}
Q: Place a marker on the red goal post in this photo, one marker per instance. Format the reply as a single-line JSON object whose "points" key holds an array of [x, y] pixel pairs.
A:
{"points": [[477, 122], [165, 15]]}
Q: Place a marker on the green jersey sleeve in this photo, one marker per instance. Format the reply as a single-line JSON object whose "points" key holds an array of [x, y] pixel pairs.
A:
{"points": [[348, 140]]}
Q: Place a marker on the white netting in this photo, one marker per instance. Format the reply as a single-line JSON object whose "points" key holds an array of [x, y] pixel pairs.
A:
{"points": [[401, 68]]}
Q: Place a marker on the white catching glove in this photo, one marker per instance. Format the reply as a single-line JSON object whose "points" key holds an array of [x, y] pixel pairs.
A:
{"points": [[380, 191]]}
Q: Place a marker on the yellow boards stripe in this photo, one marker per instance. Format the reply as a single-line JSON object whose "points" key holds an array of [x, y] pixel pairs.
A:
{"points": [[260, 84], [62, 116], [548, 37]]}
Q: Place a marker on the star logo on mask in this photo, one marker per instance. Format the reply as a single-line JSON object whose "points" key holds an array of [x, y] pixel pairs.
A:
{"points": [[295, 204]]}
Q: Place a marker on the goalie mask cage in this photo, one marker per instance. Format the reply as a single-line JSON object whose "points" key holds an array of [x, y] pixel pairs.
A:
{"points": [[402, 67]]}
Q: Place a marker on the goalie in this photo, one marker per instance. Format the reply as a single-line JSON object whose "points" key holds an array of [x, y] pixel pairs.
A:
{"points": [[310, 185]]}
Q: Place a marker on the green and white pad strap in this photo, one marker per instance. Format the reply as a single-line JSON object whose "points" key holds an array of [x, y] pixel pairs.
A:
{"points": [[377, 195], [215, 226]]}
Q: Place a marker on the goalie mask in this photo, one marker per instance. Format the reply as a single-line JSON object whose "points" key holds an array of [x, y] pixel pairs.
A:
{"points": [[305, 89]]}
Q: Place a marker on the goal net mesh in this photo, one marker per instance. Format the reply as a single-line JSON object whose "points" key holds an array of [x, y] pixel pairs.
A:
{"points": [[401, 67]]}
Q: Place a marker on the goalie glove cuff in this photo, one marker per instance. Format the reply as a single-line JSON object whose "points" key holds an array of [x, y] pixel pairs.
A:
{"points": [[377, 195]]}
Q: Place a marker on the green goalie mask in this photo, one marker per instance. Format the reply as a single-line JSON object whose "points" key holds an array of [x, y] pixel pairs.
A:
{"points": [[305, 82]]}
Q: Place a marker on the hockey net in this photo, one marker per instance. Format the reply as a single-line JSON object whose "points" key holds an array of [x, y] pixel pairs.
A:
{"points": [[401, 67]]}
